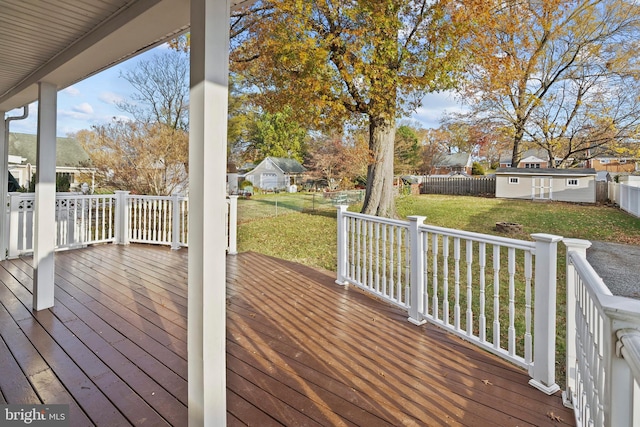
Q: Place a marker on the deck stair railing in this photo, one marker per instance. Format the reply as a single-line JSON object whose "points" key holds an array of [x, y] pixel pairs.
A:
{"points": [[119, 218], [603, 347], [496, 292]]}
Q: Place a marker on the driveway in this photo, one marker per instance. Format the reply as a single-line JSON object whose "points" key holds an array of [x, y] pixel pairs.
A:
{"points": [[618, 265]]}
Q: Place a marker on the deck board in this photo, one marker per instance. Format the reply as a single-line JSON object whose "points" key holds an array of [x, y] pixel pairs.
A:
{"points": [[301, 350]]}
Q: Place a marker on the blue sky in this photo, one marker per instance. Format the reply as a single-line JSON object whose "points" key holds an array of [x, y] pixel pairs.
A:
{"points": [[93, 102]]}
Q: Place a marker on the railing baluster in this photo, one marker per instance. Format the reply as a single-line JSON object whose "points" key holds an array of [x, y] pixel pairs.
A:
{"points": [[434, 255], [445, 279], [377, 268], [469, 257], [456, 289], [528, 343], [511, 268], [425, 245], [384, 259], [399, 265], [391, 261], [496, 296], [482, 321]]}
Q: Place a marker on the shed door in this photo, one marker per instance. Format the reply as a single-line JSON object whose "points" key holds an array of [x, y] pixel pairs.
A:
{"points": [[541, 187], [268, 181]]}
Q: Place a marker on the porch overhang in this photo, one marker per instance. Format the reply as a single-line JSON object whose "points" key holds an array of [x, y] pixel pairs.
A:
{"points": [[67, 41]]}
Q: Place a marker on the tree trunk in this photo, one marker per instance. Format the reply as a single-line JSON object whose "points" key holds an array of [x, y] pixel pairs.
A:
{"points": [[517, 139], [379, 198]]}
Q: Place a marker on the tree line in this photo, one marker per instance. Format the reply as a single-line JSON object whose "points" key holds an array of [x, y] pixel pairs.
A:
{"points": [[331, 83]]}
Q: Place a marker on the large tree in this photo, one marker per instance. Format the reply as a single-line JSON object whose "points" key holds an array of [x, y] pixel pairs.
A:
{"points": [[161, 90], [546, 70], [149, 153], [339, 61], [144, 158]]}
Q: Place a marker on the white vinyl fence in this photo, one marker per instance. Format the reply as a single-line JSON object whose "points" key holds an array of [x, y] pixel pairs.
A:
{"points": [[120, 218], [626, 196]]}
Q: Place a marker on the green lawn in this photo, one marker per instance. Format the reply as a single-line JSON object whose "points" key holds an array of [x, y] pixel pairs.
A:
{"points": [[302, 227]]}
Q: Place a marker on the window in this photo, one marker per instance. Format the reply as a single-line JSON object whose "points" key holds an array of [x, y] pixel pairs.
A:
{"points": [[514, 180], [604, 161], [573, 182], [532, 165]]}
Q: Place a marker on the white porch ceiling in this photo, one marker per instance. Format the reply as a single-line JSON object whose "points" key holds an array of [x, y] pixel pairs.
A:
{"points": [[65, 41]]}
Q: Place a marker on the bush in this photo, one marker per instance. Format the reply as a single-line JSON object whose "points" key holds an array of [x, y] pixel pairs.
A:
{"points": [[477, 169]]}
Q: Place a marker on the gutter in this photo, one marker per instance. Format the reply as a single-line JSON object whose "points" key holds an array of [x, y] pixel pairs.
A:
{"points": [[4, 179]]}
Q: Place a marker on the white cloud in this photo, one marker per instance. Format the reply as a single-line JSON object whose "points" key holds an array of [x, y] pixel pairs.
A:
{"points": [[71, 91], [110, 98], [435, 106], [84, 108]]}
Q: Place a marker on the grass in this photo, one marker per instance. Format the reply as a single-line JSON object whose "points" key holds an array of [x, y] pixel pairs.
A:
{"points": [[308, 235], [301, 227]]}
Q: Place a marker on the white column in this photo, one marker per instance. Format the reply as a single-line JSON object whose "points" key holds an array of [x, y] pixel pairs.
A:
{"points": [[45, 203], [122, 218], [342, 245], [417, 270], [207, 205], [544, 317], [4, 173]]}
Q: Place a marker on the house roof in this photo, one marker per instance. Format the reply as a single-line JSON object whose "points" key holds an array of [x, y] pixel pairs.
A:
{"points": [[69, 152], [287, 165], [536, 153], [545, 171], [454, 160]]}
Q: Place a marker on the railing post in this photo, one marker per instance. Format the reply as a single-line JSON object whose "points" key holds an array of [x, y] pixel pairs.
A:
{"points": [[416, 304], [544, 326], [122, 218], [233, 225], [580, 247], [175, 222], [342, 245], [14, 225]]}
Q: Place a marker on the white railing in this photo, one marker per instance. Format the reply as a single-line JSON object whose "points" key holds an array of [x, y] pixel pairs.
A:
{"points": [[626, 196], [120, 218], [603, 347], [497, 292], [80, 220]]}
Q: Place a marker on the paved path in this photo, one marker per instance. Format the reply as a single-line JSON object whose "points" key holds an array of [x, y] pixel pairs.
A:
{"points": [[618, 265]]}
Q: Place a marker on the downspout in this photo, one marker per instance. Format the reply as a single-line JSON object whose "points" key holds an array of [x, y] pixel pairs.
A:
{"points": [[4, 180]]}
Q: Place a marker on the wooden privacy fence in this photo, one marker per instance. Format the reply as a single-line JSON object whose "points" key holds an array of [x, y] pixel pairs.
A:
{"points": [[459, 186]]}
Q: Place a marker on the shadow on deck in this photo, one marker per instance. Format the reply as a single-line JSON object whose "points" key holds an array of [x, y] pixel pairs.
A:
{"points": [[300, 349]]}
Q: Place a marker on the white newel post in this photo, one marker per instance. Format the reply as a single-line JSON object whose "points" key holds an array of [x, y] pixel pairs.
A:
{"points": [[175, 222], [542, 373], [416, 307], [14, 224], [233, 225], [122, 218], [579, 246], [342, 245]]}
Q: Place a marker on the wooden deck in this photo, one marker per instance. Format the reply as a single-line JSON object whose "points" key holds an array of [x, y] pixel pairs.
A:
{"points": [[301, 351]]}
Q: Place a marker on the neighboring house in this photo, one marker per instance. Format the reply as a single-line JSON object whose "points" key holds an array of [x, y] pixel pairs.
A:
{"points": [[276, 173], [613, 164], [450, 164], [566, 185], [530, 159], [71, 159]]}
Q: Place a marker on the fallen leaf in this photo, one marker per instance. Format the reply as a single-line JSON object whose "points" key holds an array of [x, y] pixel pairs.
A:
{"points": [[487, 382], [554, 417]]}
